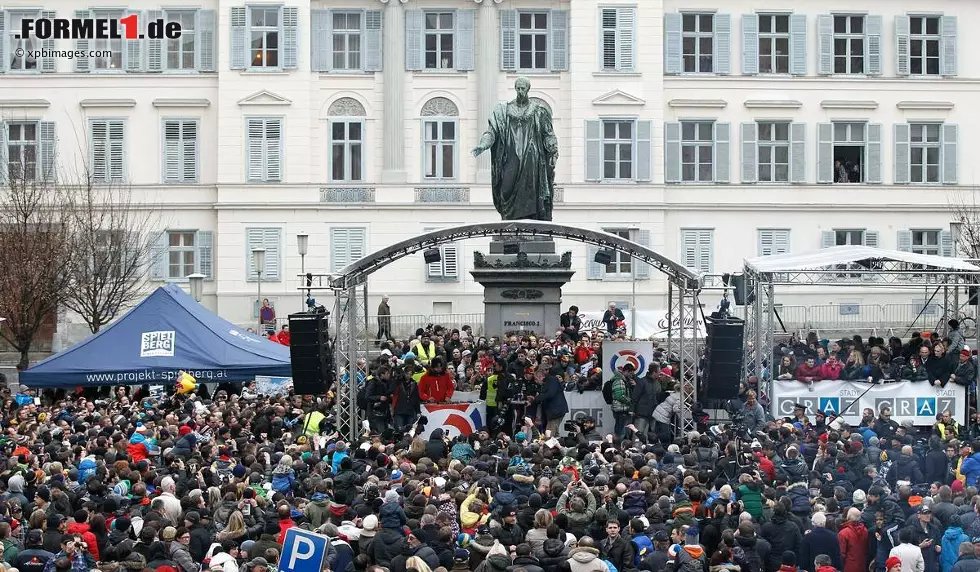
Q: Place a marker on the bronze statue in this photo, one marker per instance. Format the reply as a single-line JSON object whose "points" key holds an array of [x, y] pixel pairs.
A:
{"points": [[523, 151]]}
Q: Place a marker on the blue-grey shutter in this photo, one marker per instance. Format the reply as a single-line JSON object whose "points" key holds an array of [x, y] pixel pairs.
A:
{"points": [[723, 44], [156, 50], [239, 31], [117, 149], [827, 239], [3, 144], [797, 153], [874, 153], [207, 58], [902, 151], [797, 44], [871, 238], [82, 64], [672, 152], [273, 151], [48, 63], [465, 39], [626, 28], [946, 243], [750, 148], [673, 56], [902, 45], [825, 152], [723, 152], [950, 159], [594, 270], [904, 241], [290, 37], [825, 29], [508, 40], [644, 150], [158, 257], [706, 250], [205, 253], [948, 61], [414, 20], [133, 49], [593, 150], [48, 140], [872, 44], [373, 41], [254, 238], [321, 40], [764, 243], [559, 40], [642, 271], [3, 45], [750, 44]]}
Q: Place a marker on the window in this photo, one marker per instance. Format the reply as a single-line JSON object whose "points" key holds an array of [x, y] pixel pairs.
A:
{"points": [[264, 137], [698, 42], [618, 32], [529, 40], [111, 50], [924, 45], [773, 152], [21, 50], [532, 41], [925, 146], [774, 43], [346, 150], [697, 249], [617, 149], [22, 151], [848, 237], [773, 241], [447, 269], [181, 254], [180, 150], [176, 254], [925, 242], [440, 148], [107, 253], [271, 240], [264, 36], [849, 152], [347, 245], [347, 34], [107, 153], [180, 51], [439, 40], [621, 264], [697, 151], [849, 44]]}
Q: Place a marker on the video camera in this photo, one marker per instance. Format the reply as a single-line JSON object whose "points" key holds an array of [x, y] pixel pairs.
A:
{"points": [[573, 425]]}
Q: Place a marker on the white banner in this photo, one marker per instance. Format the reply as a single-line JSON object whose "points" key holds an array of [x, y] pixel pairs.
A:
{"points": [[918, 401], [454, 418], [649, 323], [618, 354], [589, 404]]}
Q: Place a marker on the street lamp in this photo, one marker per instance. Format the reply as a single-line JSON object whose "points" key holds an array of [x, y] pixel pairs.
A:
{"points": [[197, 286], [956, 230], [258, 262], [303, 243]]}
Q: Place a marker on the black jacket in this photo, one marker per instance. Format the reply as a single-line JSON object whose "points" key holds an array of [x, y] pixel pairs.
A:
{"points": [[905, 468], [619, 551], [819, 541], [201, 539], [552, 553], [645, 396], [406, 398], [529, 563], [387, 545], [782, 535]]}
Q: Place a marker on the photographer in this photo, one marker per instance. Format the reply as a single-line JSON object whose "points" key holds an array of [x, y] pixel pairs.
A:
{"points": [[754, 415], [623, 382], [406, 403], [496, 393], [584, 429]]}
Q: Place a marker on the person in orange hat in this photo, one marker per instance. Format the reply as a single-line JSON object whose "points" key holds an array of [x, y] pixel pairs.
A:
{"points": [[893, 564]]}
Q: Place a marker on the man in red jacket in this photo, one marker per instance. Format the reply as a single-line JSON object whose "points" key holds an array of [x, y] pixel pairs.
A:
{"points": [[853, 539], [436, 384]]}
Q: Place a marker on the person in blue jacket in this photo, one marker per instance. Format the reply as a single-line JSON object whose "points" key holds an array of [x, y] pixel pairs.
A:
{"points": [[551, 399]]}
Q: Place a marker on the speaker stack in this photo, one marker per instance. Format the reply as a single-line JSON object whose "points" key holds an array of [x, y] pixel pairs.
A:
{"points": [[723, 371], [310, 354]]}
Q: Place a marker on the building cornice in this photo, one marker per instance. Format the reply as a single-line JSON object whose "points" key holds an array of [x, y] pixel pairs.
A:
{"points": [[618, 97], [932, 105], [702, 103], [773, 104], [99, 103], [181, 103], [849, 104], [264, 97], [25, 103], [394, 2]]}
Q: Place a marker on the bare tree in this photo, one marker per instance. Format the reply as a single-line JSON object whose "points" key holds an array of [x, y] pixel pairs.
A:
{"points": [[966, 209]]}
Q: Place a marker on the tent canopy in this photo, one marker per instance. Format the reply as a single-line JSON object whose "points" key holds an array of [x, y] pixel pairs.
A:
{"points": [[165, 333], [829, 258]]}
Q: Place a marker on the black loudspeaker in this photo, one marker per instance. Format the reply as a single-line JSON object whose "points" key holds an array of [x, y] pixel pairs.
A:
{"points": [[723, 356], [738, 290], [972, 293], [310, 354], [603, 257]]}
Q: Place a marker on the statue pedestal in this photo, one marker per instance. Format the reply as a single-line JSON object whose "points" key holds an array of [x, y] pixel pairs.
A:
{"points": [[522, 279]]}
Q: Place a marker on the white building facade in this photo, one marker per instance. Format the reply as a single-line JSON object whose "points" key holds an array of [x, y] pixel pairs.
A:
{"points": [[709, 131]]}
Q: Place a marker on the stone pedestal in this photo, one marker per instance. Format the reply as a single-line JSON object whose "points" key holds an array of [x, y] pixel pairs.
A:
{"points": [[522, 290]]}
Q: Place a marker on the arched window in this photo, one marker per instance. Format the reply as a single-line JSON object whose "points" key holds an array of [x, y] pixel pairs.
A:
{"points": [[346, 116], [440, 139]]}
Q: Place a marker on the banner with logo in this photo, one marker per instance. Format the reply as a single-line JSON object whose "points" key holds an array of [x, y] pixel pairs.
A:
{"points": [[649, 323], [589, 404], [273, 385], [919, 401], [455, 419], [618, 354]]}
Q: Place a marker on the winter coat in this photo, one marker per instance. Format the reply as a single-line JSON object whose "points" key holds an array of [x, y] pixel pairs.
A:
{"points": [[667, 408], [551, 554], [911, 557], [645, 397], [551, 399], [831, 371], [468, 519], [578, 521], [853, 541], [905, 468], [201, 539], [642, 547], [179, 554], [792, 471], [819, 541], [387, 545], [392, 516], [618, 551], [952, 539], [509, 534], [751, 497], [799, 496], [435, 447], [406, 400], [804, 373], [586, 560], [528, 563], [782, 535], [971, 469], [635, 501], [967, 563], [691, 559], [82, 529]]}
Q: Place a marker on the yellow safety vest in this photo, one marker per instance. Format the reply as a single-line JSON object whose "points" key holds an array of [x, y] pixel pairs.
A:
{"points": [[418, 376], [491, 399], [311, 425], [425, 356]]}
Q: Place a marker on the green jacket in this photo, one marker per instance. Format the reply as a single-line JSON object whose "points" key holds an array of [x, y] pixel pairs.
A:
{"points": [[622, 394]]}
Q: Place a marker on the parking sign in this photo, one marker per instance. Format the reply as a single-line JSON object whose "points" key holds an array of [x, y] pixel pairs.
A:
{"points": [[303, 551]]}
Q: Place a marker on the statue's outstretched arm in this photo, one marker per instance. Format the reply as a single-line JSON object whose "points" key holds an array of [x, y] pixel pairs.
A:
{"points": [[486, 141]]}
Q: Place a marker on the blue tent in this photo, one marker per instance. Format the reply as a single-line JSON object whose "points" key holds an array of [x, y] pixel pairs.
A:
{"points": [[165, 333]]}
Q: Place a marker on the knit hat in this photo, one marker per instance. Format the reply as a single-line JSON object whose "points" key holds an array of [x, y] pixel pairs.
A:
{"points": [[369, 526], [391, 496], [956, 486], [463, 540], [461, 555], [239, 471], [859, 497], [397, 476], [184, 430], [892, 562], [789, 558], [44, 493], [140, 428], [170, 533]]}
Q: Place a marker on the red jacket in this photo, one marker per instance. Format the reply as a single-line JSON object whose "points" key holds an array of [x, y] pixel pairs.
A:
{"points": [[831, 370], [853, 537], [804, 373], [283, 337], [438, 388], [82, 529], [284, 525], [766, 466]]}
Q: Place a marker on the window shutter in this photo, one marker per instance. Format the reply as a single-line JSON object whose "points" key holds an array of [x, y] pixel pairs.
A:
{"points": [[358, 244], [171, 151], [689, 249], [98, 137], [321, 41], [158, 257], [133, 49], [825, 153], [750, 148], [48, 63], [765, 247], [290, 37], [828, 239], [273, 150], [723, 44], [373, 41], [781, 242], [948, 61], [189, 151], [902, 62], [950, 156], [255, 127], [706, 249], [874, 153], [825, 27], [272, 241], [946, 243], [82, 64], [239, 30], [672, 152], [156, 50], [3, 45], [871, 238], [465, 39], [450, 261], [797, 44], [902, 150], [904, 241], [205, 48], [593, 150], [414, 20], [723, 152], [626, 29], [797, 153], [594, 270], [559, 40], [204, 240], [642, 271], [508, 40], [644, 150], [254, 238], [117, 150], [673, 60], [339, 249], [47, 139], [872, 44], [750, 44]]}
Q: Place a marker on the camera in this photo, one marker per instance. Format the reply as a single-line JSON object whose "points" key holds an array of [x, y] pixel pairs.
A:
{"points": [[572, 426]]}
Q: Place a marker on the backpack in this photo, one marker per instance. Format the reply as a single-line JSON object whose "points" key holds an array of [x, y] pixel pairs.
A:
{"points": [[607, 393], [362, 398]]}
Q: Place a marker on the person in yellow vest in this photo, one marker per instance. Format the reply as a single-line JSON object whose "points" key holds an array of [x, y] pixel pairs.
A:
{"points": [[425, 350], [311, 423], [946, 427], [496, 392]]}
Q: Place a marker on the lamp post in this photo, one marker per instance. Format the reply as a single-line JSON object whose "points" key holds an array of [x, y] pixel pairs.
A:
{"points": [[303, 243], [197, 286], [955, 230], [633, 237], [258, 262]]}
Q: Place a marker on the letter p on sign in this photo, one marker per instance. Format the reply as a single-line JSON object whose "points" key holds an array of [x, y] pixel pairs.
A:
{"points": [[303, 551]]}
